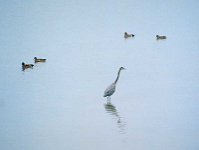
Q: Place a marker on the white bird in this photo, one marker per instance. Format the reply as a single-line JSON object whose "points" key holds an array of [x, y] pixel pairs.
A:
{"points": [[111, 88]]}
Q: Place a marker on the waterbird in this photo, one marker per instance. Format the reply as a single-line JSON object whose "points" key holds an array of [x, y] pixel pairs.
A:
{"points": [[160, 37], [25, 66], [127, 35], [111, 88], [39, 59]]}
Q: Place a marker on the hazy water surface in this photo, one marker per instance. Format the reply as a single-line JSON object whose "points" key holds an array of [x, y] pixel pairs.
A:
{"points": [[59, 104]]}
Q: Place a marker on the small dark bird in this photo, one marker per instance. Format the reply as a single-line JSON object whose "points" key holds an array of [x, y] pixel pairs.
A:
{"points": [[39, 60], [126, 35], [25, 66], [160, 37]]}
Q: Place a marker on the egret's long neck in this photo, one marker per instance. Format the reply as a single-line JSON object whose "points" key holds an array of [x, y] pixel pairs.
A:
{"points": [[118, 75]]}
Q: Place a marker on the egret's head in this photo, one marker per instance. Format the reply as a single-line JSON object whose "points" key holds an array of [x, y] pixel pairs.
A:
{"points": [[23, 63], [35, 58], [157, 35], [122, 68]]}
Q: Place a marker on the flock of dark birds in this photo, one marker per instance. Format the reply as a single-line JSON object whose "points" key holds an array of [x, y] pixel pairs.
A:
{"points": [[111, 88], [36, 60]]}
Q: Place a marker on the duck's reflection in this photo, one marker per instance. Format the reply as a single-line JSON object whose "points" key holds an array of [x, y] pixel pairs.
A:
{"points": [[111, 109]]}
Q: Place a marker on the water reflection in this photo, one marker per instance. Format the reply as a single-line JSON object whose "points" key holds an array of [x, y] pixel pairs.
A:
{"points": [[111, 109]]}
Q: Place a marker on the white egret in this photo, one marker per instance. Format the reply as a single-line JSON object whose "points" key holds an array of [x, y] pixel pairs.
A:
{"points": [[111, 89]]}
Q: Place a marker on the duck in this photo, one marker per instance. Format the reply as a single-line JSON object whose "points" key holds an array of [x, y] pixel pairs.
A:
{"points": [[127, 35], [39, 59], [25, 66], [160, 37]]}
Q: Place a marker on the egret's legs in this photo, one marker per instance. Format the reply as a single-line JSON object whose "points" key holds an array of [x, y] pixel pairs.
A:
{"points": [[108, 100]]}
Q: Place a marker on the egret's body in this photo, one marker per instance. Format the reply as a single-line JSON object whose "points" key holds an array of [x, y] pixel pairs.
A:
{"points": [[111, 88]]}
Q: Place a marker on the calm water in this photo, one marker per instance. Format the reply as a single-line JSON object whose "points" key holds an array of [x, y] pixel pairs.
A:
{"points": [[59, 104]]}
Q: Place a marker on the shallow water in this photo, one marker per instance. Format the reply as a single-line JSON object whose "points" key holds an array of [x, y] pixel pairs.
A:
{"points": [[60, 105]]}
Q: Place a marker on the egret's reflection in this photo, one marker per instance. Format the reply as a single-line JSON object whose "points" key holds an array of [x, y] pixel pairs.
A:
{"points": [[111, 109]]}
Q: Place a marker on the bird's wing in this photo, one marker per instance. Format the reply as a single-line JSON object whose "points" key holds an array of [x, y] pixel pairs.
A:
{"points": [[110, 90]]}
